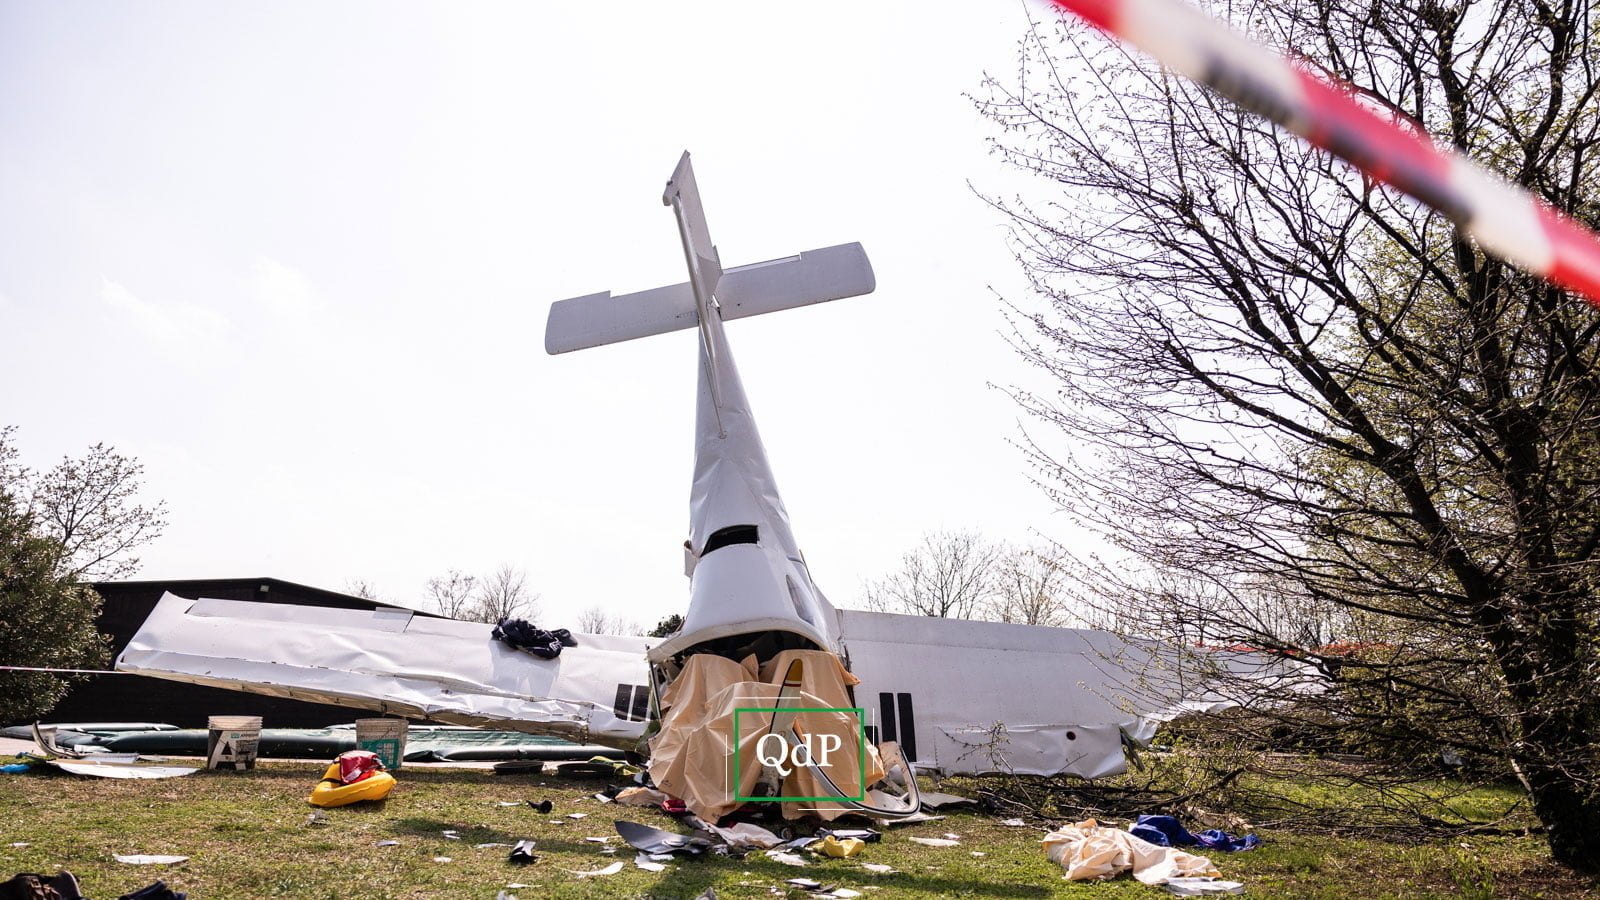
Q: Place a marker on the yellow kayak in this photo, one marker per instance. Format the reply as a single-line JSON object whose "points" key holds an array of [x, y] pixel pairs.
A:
{"points": [[330, 792]]}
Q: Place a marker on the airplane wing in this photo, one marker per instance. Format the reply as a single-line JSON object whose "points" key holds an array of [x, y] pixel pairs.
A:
{"points": [[394, 662], [965, 697]]}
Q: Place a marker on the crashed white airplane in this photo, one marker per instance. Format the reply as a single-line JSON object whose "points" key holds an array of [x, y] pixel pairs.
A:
{"points": [[956, 696]]}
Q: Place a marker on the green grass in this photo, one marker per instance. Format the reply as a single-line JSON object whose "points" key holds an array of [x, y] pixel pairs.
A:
{"points": [[247, 836]]}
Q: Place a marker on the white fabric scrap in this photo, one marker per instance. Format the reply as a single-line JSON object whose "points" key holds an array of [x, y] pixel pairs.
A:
{"points": [[145, 859], [788, 859], [1088, 850]]}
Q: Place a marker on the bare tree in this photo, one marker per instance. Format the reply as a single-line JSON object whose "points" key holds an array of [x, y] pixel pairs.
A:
{"points": [[1323, 423], [1030, 588], [595, 620], [89, 507], [504, 595], [360, 587], [452, 593], [950, 574]]}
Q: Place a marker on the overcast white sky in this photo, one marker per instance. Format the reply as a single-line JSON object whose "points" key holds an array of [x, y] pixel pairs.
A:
{"points": [[297, 258]]}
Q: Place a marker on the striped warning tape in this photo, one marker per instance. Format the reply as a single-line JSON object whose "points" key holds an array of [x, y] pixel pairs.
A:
{"points": [[1503, 219]]}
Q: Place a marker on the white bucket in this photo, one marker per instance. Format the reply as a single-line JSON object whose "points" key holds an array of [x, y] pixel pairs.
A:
{"points": [[385, 737], [232, 741]]}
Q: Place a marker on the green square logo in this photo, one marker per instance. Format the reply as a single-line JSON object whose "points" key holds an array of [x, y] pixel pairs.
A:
{"points": [[814, 749]]}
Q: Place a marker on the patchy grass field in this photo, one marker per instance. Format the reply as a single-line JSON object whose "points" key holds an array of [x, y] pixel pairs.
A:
{"points": [[247, 836]]}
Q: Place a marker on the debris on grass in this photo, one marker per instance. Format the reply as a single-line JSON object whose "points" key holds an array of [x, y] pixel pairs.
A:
{"points": [[644, 862], [146, 859], [1199, 887], [935, 842], [788, 859], [522, 854], [612, 869]]}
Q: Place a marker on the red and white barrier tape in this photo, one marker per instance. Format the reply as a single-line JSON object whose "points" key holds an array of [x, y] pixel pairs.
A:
{"points": [[1503, 219]]}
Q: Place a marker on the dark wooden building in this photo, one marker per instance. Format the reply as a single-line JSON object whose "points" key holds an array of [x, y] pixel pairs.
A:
{"points": [[137, 698]]}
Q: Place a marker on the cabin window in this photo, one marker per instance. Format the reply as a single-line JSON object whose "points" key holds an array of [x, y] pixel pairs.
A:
{"points": [[733, 534]]}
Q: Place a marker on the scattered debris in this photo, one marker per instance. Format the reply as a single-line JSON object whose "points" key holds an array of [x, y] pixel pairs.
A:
{"points": [[832, 846], [543, 807], [654, 840], [641, 796], [144, 859], [979, 853], [936, 842], [508, 803], [861, 834], [788, 859], [878, 868], [18, 845], [442, 859], [745, 835], [156, 890], [805, 884], [599, 840], [450, 834], [612, 869], [98, 769], [1167, 831], [936, 800], [602, 798], [317, 817], [387, 844], [908, 820], [577, 815], [1198, 887], [1013, 823], [489, 846], [1087, 851], [951, 837], [644, 862], [522, 854]]}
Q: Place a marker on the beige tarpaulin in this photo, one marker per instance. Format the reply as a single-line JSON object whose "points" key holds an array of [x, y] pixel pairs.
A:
{"points": [[1090, 850], [692, 757]]}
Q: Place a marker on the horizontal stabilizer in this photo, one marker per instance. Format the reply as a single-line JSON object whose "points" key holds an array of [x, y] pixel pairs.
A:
{"points": [[815, 276]]}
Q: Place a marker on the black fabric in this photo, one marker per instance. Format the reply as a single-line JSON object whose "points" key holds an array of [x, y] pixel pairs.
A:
{"points": [[157, 891], [523, 635], [27, 886]]}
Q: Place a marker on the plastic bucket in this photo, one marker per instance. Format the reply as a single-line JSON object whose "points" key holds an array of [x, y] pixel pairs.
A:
{"points": [[232, 741], [385, 737]]}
